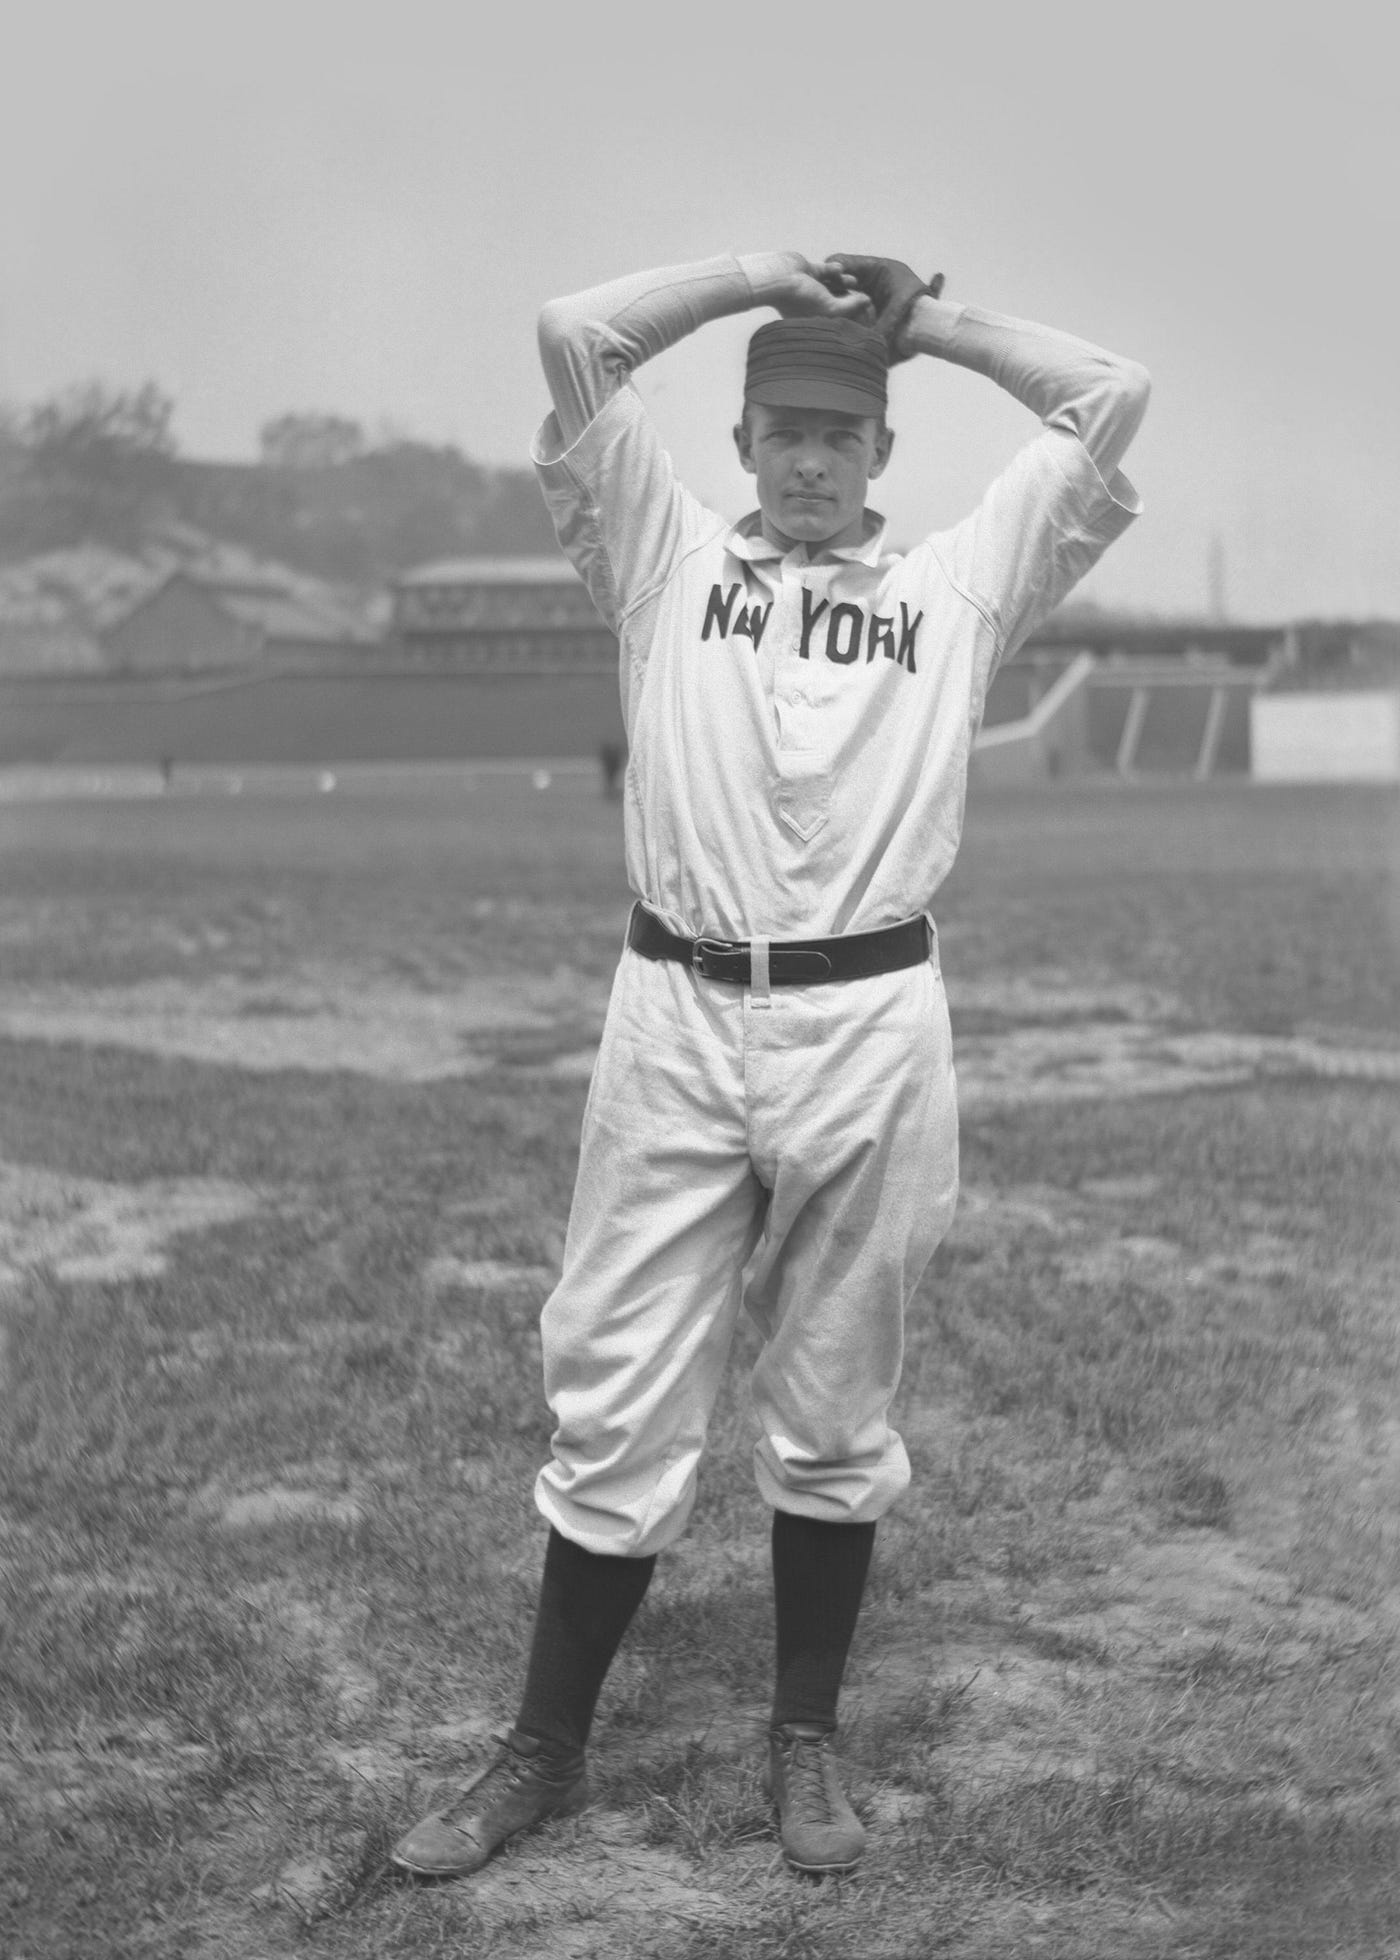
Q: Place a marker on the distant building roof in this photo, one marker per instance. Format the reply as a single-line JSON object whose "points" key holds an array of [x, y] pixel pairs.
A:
{"points": [[282, 615], [214, 561], [491, 571], [88, 586], [59, 607], [53, 648]]}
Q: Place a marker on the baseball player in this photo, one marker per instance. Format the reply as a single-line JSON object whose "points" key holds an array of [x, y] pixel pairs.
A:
{"points": [[772, 1120]]}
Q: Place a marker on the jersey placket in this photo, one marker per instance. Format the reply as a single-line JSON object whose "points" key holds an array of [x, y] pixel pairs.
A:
{"points": [[803, 789]]}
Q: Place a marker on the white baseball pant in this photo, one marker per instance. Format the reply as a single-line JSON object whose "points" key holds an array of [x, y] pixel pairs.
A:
{"points": [[794, 1153]]}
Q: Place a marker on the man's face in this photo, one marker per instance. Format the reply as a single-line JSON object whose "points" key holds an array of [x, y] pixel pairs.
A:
{"points": [[812, 466]]}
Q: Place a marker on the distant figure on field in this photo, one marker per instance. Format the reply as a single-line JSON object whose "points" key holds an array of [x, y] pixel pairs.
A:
{"points": [[772, 1121], [611, 757]]}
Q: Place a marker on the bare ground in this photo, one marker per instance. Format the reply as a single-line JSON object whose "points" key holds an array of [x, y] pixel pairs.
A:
{"points": [[1041, 1706], [1120, 1653]]}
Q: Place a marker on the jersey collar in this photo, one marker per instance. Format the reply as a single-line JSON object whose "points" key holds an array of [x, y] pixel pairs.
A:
{"points": [[746, 540]]}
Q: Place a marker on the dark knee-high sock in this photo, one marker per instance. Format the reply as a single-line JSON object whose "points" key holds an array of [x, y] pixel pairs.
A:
{"points": [[818, 1578], [586, 1602]]}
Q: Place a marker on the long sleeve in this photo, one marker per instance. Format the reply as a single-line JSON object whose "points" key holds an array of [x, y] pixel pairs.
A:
{"points": [[619, 511], [591, 343], [1069, 383], [1059, 503]]}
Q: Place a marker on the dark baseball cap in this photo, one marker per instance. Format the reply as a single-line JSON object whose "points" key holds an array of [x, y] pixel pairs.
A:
{"points": [[818, 363]]}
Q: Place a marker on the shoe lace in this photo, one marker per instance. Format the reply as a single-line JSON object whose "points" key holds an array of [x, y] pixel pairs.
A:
{"points": [[809, 1780], [506, 1771]]}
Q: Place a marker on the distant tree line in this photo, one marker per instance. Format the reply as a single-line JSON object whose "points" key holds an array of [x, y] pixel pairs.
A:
{"points": [[98, 464]]}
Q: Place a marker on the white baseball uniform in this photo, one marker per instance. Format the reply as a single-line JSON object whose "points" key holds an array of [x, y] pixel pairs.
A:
{"points": [[799, 733]]}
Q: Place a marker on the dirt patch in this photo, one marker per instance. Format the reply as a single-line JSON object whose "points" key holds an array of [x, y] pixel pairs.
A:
{"points": [[305, 1885], [604, 1874], [1067, 1049], [987, 1218], [475, 1731], [314, 1631], [1015, 1712], [1103, 1060], [81, 1228], [258, 1509], [447, 1273], [370, 1764], [1043, 1037], [1184, 1597], [1088, 1232], [117, 1758], [1047, 995], [322, 1020], [1066, 1059], [1135, 1256]]}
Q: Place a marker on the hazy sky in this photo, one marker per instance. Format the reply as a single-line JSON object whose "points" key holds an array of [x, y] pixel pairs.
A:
{"points": [[312, 206]]}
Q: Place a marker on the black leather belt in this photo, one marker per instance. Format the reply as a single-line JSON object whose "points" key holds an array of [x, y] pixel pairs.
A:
{"points": [[791, 962]]}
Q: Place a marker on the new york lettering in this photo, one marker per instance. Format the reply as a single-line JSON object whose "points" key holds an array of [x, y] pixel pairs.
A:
{"points": [[879, 634], [810, 616], [843, 633], [848, 627], [748, 624]]}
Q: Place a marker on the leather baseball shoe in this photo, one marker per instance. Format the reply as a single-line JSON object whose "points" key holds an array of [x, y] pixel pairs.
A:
{"points": [[526, 1783], [820, 1832]]}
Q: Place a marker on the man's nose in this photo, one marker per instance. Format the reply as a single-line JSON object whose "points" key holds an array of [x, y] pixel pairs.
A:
{"points": [[811, 464]]}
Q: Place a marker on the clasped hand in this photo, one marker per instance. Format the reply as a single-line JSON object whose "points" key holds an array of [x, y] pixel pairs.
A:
{"points": [[858, 286]]}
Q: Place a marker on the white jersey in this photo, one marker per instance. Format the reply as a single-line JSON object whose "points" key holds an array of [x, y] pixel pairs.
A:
{"points": [[799, 731]]}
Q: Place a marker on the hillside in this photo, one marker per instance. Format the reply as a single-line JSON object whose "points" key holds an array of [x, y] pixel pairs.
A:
{"points": [[93, 467]]}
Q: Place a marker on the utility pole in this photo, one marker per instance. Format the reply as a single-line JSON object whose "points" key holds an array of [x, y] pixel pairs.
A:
{"points": [[1215, 580]]}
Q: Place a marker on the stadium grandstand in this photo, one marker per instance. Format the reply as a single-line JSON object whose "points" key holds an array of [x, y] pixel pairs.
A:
{"points": [[482, 614]]}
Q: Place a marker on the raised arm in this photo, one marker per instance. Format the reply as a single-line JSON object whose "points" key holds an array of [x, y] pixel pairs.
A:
{"points": [[591, 343], [619, 511], [1069, 383], [1062, 499]]}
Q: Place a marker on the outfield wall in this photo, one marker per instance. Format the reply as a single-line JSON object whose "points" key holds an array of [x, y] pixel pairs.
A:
{"points": [[1165, 719], [1326, 738], [1045, 719], [385, 716]]}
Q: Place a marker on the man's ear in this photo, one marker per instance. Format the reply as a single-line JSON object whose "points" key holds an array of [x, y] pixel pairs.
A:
{"points": [[743, 442], [884, 444]]}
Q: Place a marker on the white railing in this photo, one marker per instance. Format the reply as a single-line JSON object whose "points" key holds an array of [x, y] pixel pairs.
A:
{"points": [[1030, 727]]}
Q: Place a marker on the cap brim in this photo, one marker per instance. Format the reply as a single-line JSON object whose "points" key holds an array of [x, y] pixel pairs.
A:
{"points": [[797, 391]]}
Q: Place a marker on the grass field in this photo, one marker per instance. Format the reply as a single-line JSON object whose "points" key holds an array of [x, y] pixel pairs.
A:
{"points": [[290, 1088]]}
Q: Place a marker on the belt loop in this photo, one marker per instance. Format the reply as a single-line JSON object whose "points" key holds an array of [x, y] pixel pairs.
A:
{"points": [[759, 995]]}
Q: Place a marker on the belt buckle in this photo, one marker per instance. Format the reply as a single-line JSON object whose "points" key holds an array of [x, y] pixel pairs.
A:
{"points": [[703, 951]]}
